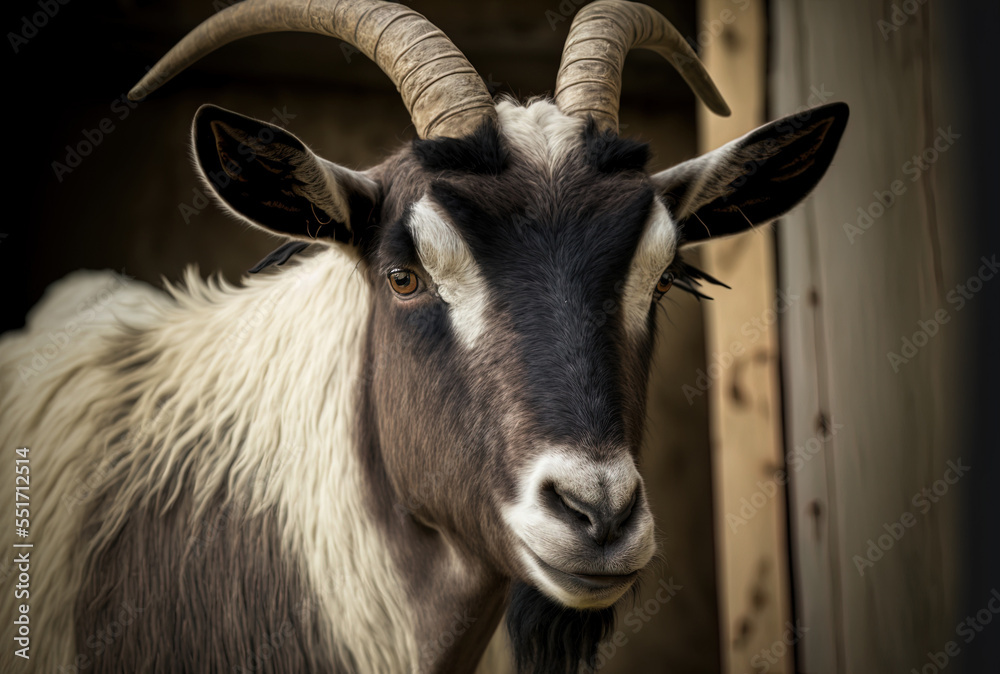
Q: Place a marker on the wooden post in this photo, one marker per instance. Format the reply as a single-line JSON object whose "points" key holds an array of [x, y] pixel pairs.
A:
{"points": [[742, 373]]}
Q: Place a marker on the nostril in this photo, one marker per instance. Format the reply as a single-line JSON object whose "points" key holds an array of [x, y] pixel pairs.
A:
{"points": [[626, 512], [620, 521], [573, 509]]}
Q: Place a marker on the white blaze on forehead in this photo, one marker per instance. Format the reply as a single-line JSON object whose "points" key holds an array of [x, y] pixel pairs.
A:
{"points": [[540, 131], [655, 252], [447, 258]]}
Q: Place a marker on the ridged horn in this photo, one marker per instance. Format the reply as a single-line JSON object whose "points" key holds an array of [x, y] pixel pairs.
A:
{"points": [[603, 32], [445, 95]]}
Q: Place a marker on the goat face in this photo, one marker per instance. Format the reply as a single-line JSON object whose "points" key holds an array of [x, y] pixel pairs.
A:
{"points": [[515, 274], [518, 376]]}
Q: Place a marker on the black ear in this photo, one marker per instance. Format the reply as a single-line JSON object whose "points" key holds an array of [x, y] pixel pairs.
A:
{"points": [[268, 177], [755, 178]]}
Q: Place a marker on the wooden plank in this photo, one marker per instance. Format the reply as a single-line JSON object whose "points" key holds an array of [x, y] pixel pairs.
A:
{"points": [[744, 392], [812, 508], [872, 608]]}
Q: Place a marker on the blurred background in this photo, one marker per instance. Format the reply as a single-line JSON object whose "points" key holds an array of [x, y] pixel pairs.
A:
{"points": [[809, 431]]}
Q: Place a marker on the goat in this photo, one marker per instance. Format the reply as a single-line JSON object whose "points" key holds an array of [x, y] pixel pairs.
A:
{"points": [[427, 428]]}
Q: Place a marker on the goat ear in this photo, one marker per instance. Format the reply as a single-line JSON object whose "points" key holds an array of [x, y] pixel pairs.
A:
{"points": [[755, 178], [268, 177]]}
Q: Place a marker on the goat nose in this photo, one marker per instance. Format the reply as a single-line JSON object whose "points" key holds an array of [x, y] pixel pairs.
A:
{"points": [[603, 523]]}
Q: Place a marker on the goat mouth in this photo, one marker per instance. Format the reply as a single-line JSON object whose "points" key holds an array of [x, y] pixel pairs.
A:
{"points": [[581, 590], [589, 581]]}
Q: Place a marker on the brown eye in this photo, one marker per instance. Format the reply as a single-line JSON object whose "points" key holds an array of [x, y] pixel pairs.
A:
{"points": [[403, 281], [666, 281]]}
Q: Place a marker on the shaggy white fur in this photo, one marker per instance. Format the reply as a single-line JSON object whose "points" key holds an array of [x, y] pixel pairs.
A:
{"points": [[221, 353]]}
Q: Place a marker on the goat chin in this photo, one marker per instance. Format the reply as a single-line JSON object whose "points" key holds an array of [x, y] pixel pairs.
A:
{"points": [[547, 637]]}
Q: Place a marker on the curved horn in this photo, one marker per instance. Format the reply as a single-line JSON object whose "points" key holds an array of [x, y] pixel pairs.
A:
{"points": [[603, 32], [443, 92]]}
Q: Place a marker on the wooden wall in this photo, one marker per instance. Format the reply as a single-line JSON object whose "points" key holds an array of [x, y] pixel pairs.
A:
{"points": [[878, 252]]}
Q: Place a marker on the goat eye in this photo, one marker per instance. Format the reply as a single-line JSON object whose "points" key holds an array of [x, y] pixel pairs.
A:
{"points": [[666, 281], [403, 281]]}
